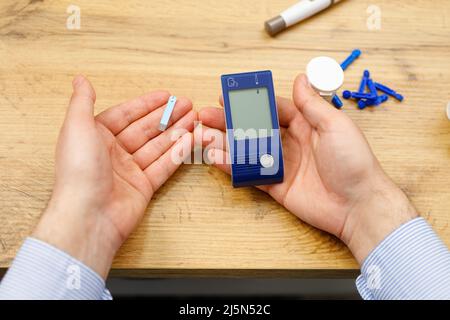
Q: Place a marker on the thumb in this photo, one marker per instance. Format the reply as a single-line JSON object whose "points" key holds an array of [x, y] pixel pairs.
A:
{"points": [[314, 108], [81, 104]]}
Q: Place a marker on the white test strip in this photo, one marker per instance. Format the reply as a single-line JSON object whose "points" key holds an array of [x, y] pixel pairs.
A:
{"points": [[448, 111], [167, 113]]}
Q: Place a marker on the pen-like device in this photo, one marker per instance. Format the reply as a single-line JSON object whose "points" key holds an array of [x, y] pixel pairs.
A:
{"points": [[296, 13]]}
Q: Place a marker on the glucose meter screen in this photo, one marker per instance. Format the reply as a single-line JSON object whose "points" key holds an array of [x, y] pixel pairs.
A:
{"points": [[250, 113]]}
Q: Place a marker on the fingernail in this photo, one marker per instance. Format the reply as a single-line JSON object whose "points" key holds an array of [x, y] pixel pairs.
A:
{"points": [[304, 80], [77, 80], [211, 156]]}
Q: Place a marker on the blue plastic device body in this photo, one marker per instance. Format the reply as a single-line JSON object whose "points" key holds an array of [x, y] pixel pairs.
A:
{"points": [[247, 154]]}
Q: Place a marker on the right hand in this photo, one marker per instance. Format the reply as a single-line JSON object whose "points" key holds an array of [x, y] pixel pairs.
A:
{"points": [[332, 179]]}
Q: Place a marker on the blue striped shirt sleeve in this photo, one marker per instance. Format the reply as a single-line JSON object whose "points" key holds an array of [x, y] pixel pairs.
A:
{"points": [[41, 271], [411, 263]]}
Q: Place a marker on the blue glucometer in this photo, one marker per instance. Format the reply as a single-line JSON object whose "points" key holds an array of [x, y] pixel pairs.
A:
{"points": [[253, 131]]}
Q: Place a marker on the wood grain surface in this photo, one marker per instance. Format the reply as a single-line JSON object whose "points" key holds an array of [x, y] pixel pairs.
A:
{"points": [[197, 223]]}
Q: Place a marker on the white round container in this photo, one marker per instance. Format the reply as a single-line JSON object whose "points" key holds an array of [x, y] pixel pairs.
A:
{"points": [[325, 75]]}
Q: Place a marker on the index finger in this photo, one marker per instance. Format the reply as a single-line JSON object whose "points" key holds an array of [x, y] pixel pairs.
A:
{"points": [[121, 116]]}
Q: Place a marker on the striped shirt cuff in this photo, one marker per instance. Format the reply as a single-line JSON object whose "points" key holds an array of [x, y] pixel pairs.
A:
{"points": [[43, 272], [411, 263]]}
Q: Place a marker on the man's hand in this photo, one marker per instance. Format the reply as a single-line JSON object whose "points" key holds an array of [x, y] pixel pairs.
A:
{"points": [[332, 179], [107, 169]]}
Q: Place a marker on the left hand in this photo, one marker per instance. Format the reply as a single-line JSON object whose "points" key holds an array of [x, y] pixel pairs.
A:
{"points": [[332, 179], [107, 169]]}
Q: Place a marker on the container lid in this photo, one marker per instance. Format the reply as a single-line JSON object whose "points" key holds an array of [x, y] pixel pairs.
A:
{"points": [[325, 74]]}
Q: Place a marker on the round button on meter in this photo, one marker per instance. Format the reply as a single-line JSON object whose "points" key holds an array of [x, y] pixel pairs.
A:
{"points": [[267, 160]]}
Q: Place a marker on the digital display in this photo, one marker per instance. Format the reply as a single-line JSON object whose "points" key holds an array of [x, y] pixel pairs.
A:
{"points": [[250, 113]]}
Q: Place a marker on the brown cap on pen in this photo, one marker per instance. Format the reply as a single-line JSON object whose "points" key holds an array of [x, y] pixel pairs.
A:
{"points": [[275, 25]]}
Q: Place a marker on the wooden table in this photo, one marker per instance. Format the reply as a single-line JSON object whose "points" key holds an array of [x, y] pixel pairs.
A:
{"points": [[197, 224]]}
